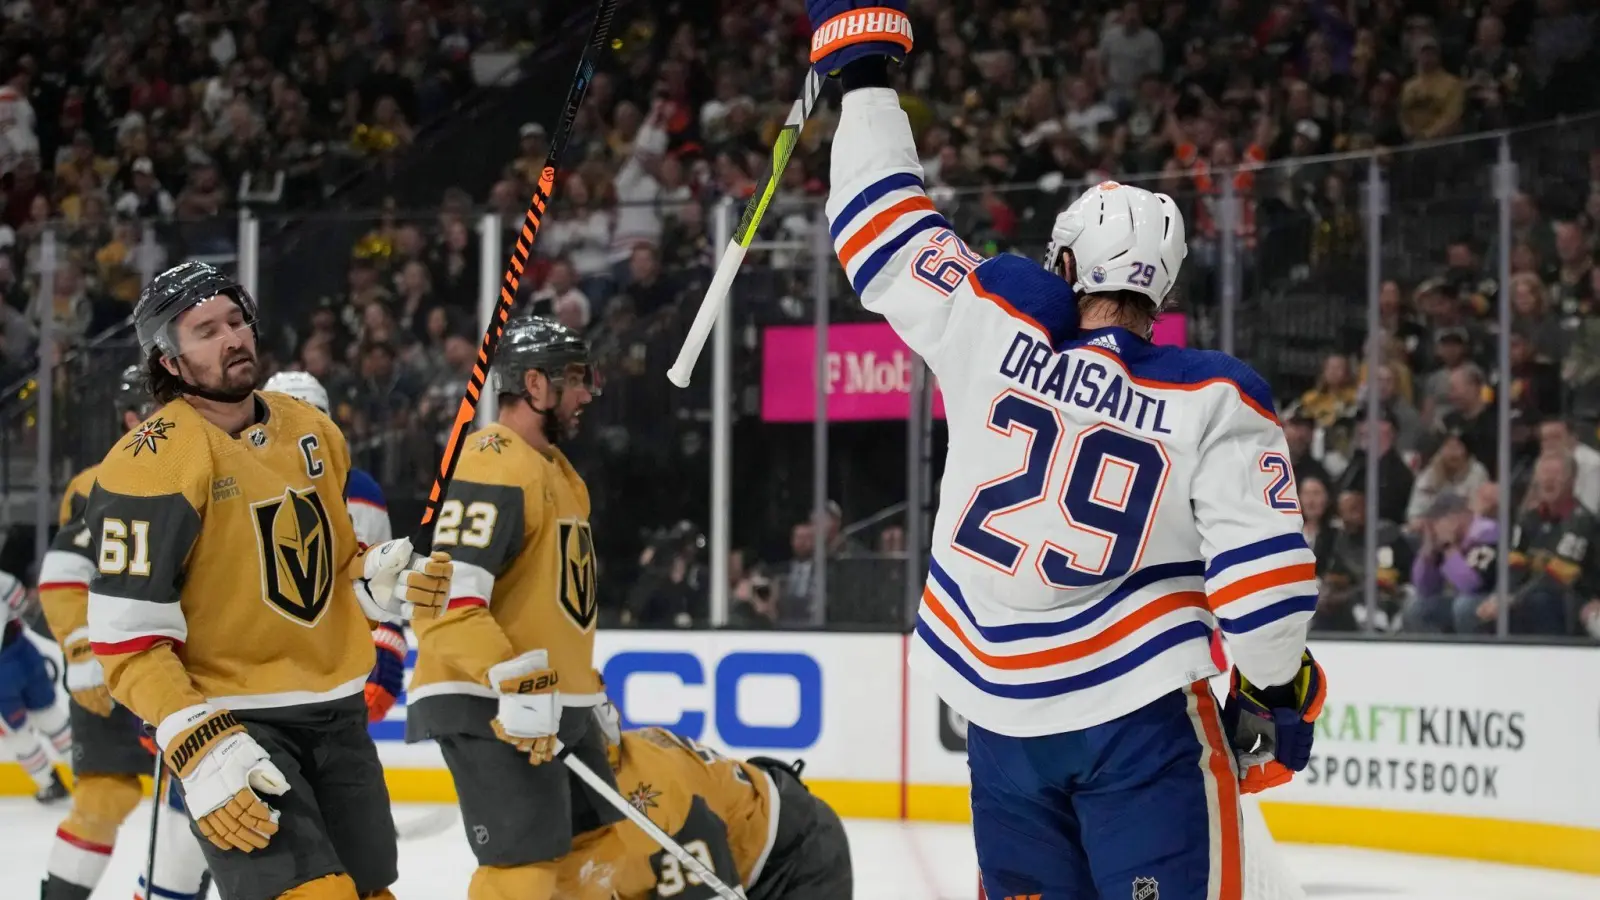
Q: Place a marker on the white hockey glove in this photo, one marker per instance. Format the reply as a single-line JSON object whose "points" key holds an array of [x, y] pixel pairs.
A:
{"points": [[86, 680], [530, 706], [222, 767], [394, 584]]}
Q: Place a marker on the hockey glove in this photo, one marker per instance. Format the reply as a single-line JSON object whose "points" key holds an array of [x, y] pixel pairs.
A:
{"points": [[387, 678], [86, 680], [847, 30], [530, 707], [222, 768], [394, 584], [1272, 728]]}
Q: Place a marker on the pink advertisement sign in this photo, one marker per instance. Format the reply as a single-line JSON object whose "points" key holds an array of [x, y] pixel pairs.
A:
{"points": [[868, 371]]}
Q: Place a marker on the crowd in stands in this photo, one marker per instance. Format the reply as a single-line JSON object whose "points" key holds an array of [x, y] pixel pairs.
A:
{"points": [[1014, 104]]}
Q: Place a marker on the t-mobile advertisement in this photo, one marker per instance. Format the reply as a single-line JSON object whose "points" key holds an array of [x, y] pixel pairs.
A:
{"points": [[868, 371]]}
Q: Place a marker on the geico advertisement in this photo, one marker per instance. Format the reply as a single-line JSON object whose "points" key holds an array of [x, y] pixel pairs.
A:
{"points": [[831, 699], [1473, 729]]}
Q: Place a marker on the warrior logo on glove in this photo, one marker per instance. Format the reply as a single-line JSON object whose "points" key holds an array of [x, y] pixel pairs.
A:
{"points": [[296, 546]]}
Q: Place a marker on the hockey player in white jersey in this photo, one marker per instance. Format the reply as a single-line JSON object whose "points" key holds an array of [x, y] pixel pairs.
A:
{"points": [[28, 707], [1107, 506], [370, 514]]}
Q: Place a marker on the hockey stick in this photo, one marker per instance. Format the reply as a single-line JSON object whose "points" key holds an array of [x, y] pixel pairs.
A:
{"points": [[662, 839], [519, 260], [157, 801], [733, 256]]}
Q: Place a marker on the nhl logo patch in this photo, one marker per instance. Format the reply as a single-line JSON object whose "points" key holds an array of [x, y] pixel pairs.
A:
{"points": [[1098, 275], [258, 437], [1146, 889]]}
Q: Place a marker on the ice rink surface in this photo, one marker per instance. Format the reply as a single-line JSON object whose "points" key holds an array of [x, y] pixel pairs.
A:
{"points": [[893, 861]]}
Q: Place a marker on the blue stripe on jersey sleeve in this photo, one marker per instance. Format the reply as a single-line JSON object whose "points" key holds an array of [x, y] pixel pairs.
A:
{"points": [[364, 487], [1268, 614], [1036, 293], [880, 257], [1180, 365], [1227, 559], [870, 195]]}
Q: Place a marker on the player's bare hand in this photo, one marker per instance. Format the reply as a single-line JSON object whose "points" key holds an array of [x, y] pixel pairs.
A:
{"points": [[86, 680]]}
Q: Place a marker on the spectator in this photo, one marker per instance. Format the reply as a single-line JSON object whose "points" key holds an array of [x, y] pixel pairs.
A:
{"points": [[1334, 395], [797, 600], [1454, 568], [1530, 309], [671, 590], [1399, 323], [1571, 292], [1555, 561], [1397, 407], [533, 152], [1316, 510], [646, 287], [1394, 476], [1342, 569], [145, 198], [203, 195], [638, 216], [1129, 51], [1492, 76], [1450, 353], [385, 393], [1535, 381], [560, 285], [1556, 439], [1450, 471], [1432, 101], [581, 231], [1474, 416], [1299, 431]]}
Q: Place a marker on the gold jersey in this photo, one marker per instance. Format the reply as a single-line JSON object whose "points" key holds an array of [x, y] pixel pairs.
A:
{"points": [[64, 574], [221, 564], [724, 811], [515, 520]]}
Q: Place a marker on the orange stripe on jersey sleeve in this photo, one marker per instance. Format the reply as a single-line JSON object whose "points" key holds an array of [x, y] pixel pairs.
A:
{"points": [[878, 224], [1252, 584]]}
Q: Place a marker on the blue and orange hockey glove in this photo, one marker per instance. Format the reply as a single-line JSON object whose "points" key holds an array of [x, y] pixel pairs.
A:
{"points": [[389, 675], [1272, 728], [843, 31]]}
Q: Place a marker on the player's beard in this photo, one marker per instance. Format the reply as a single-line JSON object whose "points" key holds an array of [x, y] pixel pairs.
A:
{"points": [[235, 379]]}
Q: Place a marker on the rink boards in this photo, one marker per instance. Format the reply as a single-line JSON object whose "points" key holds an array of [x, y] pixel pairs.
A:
{"points": [[1474, 750]]}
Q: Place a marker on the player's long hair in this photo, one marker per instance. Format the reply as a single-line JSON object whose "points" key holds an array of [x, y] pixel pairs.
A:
{"points": [[1128, 309], [163, 386]]}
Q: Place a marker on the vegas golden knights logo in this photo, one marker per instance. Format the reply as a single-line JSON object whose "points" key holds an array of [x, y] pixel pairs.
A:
{"points": [[296, 542], [578, 573]]}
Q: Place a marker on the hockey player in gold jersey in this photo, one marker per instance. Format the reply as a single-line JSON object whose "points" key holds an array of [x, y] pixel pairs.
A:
{"points": [[230, 605], [752, 823], [509, 667], [107, 755]]}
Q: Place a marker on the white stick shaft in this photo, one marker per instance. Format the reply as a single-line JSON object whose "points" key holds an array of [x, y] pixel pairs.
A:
{"points": [[599, 786], [706, 316]]}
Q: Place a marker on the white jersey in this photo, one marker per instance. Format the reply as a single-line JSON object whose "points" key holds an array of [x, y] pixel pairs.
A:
{"points": [[1107, 504], [368, 510]]}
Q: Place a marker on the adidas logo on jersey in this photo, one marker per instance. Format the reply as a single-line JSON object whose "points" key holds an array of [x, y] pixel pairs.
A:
{"points": [[1106, 341]]}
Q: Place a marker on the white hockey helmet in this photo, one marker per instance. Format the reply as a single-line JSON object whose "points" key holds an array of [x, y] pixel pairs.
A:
{"points": [[301, 386], [1123, 238]]}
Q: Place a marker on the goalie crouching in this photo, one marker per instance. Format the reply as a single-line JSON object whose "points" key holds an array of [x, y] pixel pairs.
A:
{"points": [[751, 822]]}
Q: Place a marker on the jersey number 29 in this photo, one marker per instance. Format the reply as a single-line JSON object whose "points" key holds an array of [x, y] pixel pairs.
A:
{"points": [[1108, 497]]}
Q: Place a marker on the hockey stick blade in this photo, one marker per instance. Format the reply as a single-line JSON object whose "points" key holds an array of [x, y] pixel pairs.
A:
{"points": [[468, 409], [662, 839], [733, 256]]}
